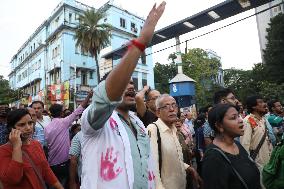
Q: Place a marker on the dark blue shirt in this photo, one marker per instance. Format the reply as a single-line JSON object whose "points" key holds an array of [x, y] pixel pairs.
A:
{"points": [[3, 133]]}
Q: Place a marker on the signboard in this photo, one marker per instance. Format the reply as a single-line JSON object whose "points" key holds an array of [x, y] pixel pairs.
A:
{"points": [[82, 93], [59, 93]]}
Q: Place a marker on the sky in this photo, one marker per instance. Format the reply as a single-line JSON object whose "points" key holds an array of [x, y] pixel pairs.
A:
{"points": [[237, 45]]}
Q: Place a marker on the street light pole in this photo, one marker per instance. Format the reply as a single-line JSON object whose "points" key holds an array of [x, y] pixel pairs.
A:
{"points": [[75, 88]]}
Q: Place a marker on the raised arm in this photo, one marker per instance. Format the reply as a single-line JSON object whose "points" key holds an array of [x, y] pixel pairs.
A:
{"points": [[125, 68], [140, 104], [72, 117], [109, 92]]}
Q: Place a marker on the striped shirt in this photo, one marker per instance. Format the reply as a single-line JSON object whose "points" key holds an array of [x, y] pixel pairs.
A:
{"points": [[75, 150], [58, 138]]}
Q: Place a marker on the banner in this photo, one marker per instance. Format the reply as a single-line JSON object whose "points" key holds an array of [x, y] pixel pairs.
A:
{"points": [[59, 94]]}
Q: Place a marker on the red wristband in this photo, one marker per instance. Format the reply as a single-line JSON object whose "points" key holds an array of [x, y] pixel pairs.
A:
{"points": [[137, 44]]}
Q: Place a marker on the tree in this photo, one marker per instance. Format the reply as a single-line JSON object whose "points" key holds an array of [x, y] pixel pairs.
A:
{"points": [[7, 95], [172, 57], [249, 82], [274, 52], [203, 69], [91, 35], [241, 82], [197, 65], [163, 74]]}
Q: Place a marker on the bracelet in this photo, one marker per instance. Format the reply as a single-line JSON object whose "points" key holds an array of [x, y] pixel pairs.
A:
{"points": [[137, 44]]}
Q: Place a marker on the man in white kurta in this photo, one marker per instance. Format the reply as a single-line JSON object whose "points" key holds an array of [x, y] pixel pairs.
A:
{"points": [[173, 169], [116, 148]]}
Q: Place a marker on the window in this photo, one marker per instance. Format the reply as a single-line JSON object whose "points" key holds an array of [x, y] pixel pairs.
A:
{"points": [[133, 27], [84, 78], [55, 52], [77, 49], [77, 17], [70, 17], [143, 58], [35, 90], [135, 79], [56, 21], [122, 23], [91, 74], [144, 79], [39, 64]]}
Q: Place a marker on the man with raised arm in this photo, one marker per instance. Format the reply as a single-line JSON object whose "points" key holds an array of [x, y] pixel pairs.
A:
{"points": [[116, 147]]}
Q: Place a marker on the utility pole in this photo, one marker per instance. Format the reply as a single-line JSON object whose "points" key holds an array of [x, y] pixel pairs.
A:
{"points": [[75, 87], [178, 54]]}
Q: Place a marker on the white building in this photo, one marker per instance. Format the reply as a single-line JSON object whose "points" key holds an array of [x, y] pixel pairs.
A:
{"points": [[220, 76], [263, 19], [49, 57]]}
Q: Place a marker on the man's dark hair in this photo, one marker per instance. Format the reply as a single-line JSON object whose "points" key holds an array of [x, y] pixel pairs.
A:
{"points": [[104, 77], [271, 104], [251, 102], [4, 111], [14, 116], [200, 120], [205, 109], [219, 95], [37, 102], [56, 110]]}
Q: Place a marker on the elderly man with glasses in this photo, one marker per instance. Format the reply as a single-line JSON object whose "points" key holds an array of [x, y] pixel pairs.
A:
{"points": [[170, 167]]}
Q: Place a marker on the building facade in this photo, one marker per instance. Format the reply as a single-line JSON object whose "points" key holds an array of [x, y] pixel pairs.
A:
{"points": [[49, 65], [263, 20], [220, 75]]}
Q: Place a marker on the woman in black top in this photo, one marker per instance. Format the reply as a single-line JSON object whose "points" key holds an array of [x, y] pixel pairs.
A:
{"points": [[217, 172]]}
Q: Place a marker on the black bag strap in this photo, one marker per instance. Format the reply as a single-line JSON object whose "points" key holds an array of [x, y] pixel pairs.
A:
{"points": [[40, 124], [253, 153], [235, 171], [35, 169], [159, 147]]}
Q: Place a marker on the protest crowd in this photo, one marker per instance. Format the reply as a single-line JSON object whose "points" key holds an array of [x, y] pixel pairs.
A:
{"points": [[122, 138]]}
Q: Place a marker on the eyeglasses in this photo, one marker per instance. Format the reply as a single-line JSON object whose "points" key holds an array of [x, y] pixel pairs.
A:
{"points": [[168, 106]]}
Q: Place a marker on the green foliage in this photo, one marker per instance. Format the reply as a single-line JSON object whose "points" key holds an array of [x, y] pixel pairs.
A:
{"points": [[7, 95], [196, 65], [274, 52], [266, 79], [203, 69], [248, 82], [172, 57], [240, 81], [91, 35], [163, 74]]}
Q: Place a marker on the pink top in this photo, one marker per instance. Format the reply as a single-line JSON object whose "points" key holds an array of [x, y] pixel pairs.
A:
{"points": [[57, 137]]}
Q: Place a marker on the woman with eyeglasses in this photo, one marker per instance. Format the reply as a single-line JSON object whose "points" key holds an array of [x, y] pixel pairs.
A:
{"points": [[226, 164], [23, 163]]}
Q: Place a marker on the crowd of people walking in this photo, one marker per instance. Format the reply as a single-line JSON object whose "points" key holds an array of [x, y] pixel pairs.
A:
{"points": [[120, 138]]}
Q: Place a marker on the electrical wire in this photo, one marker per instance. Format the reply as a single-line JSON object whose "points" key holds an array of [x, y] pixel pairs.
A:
{"points": [[222, 27], [212, 31]]}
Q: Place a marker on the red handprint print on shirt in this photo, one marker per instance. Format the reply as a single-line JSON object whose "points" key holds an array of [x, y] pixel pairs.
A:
{"points": [[108, 171], [151, 176]]}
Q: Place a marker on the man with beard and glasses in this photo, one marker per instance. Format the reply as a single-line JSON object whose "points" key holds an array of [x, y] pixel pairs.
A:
{"points": [[256, 138], [223, 96], [146, 111], [115, 146]]}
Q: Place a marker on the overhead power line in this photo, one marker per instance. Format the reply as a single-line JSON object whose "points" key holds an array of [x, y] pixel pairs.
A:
{"points": [[222, 27]]}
